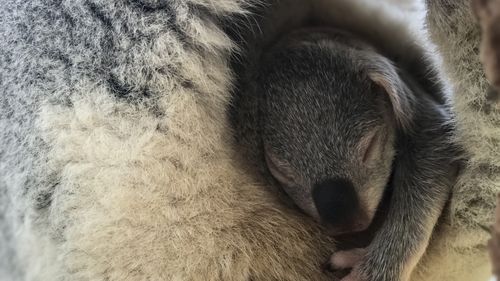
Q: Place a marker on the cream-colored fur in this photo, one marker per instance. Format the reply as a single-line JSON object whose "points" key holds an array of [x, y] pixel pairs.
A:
{"points": [[457, 35]]}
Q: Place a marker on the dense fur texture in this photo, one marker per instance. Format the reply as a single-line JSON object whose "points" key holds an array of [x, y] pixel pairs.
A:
{"points": [[115, 157], [116, 161], [488, 15], [457, 34], [322, 95], [494, 242]]}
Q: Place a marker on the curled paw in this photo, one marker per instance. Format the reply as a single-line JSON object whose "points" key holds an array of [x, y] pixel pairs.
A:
{"points": [[361, 269], [346, 259]]}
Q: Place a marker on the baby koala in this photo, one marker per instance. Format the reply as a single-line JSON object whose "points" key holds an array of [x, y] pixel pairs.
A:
{"points": [[339, 121]]}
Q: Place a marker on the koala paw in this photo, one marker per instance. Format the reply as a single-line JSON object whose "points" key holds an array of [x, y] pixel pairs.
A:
{"points": [[347, 259], [360, 270]]}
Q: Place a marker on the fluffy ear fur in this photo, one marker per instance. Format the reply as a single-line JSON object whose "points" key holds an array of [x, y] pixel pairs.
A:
{"points": [[384, 74]]}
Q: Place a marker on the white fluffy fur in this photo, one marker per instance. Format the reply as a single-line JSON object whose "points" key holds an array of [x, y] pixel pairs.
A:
{"points": [[144, 196]]}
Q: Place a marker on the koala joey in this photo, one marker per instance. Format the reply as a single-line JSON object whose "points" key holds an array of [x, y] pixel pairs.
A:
{"points": [[339, 121]]}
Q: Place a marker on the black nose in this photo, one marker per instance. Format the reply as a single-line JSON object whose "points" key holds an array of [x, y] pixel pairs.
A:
{"points": [[336, 201]]}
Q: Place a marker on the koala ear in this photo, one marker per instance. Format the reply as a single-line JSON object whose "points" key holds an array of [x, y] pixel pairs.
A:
{"points": [[384, 75]]}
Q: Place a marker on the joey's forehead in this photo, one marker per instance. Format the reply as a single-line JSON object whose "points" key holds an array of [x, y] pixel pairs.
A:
{"points": [[311, 154], [312, 168], [323, 111], [324, 95], [313, 125], [316, 149]]}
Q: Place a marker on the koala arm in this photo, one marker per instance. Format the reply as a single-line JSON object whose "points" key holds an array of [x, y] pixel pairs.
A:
{"points": [[423, 176]]}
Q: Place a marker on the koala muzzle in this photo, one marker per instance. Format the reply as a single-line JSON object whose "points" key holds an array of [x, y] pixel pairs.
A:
{"points": [[338, 206]]}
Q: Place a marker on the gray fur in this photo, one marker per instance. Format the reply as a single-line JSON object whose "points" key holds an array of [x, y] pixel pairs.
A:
{"points": [[56, 52], [313, 104]]}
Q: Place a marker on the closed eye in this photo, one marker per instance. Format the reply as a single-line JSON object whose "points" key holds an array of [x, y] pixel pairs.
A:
{"points": [[371, 146], [280, 171]]}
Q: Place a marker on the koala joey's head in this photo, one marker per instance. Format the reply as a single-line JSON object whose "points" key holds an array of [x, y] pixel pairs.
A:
{"points": [[331, 109]]}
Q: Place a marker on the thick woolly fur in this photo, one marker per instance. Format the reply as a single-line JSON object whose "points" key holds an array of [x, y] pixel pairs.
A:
{"points": [[116, 160], [455, 31]]}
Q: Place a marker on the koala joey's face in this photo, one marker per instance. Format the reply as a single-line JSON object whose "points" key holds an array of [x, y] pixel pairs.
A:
{"points": [[328, 132]]}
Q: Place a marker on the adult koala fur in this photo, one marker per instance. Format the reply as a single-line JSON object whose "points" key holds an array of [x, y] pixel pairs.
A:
{"points": [[116, 158]]}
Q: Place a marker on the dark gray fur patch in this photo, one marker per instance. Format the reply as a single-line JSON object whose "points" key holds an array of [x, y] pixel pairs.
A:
{"points": [[99, 14], [164, 7], [44, 199]]}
